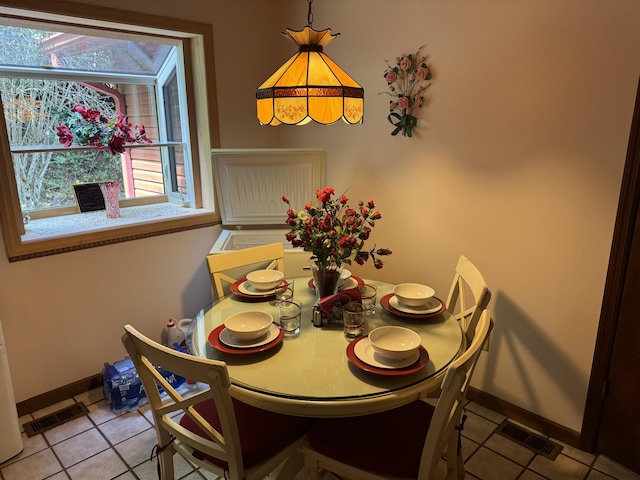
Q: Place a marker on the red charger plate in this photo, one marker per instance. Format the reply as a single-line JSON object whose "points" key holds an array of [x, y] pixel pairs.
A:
{"points": [[416, 367], [235, 289], [384, 303], [357, 279], [214, 341]]}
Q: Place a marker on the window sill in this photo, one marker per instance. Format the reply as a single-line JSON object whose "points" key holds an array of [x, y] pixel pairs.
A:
{"points": [[50, 236]]}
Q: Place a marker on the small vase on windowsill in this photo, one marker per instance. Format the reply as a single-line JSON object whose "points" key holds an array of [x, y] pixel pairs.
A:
{"points": [[111, 192]]}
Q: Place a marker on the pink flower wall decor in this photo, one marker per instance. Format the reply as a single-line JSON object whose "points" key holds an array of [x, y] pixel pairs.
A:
{"points": [[406, 82]]}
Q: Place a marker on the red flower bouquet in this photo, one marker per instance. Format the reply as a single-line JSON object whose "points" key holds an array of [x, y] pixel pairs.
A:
{"points": [[333, 231], [86, 126]]}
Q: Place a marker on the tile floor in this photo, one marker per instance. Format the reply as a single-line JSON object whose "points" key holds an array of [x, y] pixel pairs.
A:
{"points": [[103, 445]]}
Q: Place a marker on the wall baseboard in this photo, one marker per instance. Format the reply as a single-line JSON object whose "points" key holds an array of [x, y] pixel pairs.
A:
{"points": [[531, 420], [487, 400], [59, 394]]}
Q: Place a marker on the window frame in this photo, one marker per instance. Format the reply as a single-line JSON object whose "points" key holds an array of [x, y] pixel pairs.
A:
{"points": [[203, 131], [172, 68]]}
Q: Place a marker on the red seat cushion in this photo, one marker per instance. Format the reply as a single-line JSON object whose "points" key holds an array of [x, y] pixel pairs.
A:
{"points": [[262, 433], [387, 443]]}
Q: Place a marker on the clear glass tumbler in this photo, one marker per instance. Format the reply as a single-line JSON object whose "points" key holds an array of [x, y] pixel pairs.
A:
{"points": [[290, 316], [353, 317], [368, 294]]}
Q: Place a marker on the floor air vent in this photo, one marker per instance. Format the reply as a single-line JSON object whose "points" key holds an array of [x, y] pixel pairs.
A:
{"points": [[54, 419], [533, 442]]}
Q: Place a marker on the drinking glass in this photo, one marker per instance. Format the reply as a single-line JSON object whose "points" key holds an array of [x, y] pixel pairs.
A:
{"points": [[290, 315], [353, 314], [368, 295], [284, 290]]}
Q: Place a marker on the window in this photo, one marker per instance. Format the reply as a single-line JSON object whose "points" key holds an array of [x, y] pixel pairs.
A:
{"points": [[158, 80]]}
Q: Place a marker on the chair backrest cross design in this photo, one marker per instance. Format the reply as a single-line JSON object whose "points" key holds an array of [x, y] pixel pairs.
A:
{"points": [[204, 424], [270, 256], [468, 296], [406, 442]]}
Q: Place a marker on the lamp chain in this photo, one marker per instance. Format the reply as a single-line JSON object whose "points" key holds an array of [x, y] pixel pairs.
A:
{"points": [[310, 15]]}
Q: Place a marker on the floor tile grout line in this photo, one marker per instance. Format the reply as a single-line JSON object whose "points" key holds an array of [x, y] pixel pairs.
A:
{"points": [[53, 452], [524, 468], [482, 445], [590, 465], [112, 447]]}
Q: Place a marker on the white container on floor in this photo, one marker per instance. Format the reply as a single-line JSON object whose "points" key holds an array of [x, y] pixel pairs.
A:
{"points": [[10, 439]]}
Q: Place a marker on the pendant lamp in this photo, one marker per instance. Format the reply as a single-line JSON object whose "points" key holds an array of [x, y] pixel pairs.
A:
{"points": [[309, 86]]}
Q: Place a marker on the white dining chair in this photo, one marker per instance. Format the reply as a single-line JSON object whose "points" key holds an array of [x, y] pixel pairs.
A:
{"points": [[403, 443], [269, 256], [468, 296], [206, 426]]}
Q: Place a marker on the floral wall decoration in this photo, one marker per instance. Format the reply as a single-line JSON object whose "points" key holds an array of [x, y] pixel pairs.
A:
{"points": [[406, 82]]}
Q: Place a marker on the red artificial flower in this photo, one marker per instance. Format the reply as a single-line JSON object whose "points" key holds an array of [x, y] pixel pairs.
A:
{"points": [[116, 144], [333, 231], [364, 235], [64, 135], [347, 242], [324, 195], [79, 109], [86, 126]]}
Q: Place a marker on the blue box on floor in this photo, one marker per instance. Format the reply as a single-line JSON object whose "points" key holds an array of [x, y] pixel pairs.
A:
{"points": [[123, 389]]}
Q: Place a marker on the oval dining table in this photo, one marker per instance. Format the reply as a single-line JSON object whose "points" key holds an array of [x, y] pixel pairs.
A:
{"points": [[315, 373]]}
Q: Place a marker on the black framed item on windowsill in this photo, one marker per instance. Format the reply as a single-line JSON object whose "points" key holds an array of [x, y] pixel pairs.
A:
{"points": [[89, 197]]}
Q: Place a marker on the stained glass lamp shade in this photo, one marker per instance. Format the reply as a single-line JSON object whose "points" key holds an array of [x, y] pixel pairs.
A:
{"points": [[309, 86]]}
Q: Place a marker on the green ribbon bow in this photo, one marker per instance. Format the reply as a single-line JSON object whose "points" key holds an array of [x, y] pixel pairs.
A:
{"points": [[404, 123]]}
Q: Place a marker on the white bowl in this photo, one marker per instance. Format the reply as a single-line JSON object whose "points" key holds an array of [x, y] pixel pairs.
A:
{"points": [[413, 294], [344, 276], [394, 343], [264, 279], [248, 325]]}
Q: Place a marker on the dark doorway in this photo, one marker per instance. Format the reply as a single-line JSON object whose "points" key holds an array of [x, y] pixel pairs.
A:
{"points": [[612, 419]]}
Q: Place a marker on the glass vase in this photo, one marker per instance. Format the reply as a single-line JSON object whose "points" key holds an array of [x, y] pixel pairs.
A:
{"points": [[326, 279], [111, 192]]}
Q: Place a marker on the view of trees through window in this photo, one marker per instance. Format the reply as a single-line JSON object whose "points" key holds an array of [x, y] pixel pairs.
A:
{"points": [[44, 73], [31, 108], [44, 177], [155, 71]]}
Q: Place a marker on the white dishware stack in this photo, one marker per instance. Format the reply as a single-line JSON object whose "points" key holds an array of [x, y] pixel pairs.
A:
{"points": [[10, 439]]}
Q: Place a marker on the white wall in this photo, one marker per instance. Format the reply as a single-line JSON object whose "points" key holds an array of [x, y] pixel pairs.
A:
{"points": [[62, 315], [516, 162]]}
